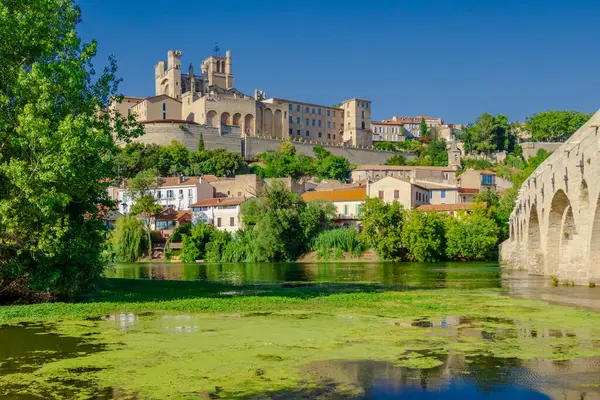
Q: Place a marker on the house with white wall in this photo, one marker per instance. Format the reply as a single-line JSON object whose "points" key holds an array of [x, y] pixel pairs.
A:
{"points": [[347, 201], [177, 192], [223, 212]]}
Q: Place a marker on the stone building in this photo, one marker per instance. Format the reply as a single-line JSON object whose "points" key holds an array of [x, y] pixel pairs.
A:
{"points": [[211, 99]]}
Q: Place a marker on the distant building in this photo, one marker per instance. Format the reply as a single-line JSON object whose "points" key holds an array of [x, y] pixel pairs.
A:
{"points": [[223, 213], [211, 99], [444, 175], [402, 190], [241, 185], [168, 220], [388, 131], [348, 203], [412, 125], [176, 192]]}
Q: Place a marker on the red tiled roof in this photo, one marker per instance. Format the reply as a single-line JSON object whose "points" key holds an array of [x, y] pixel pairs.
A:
{"points": [[375, 167], [387, 122], [354, 194], [174, 217], [450, 207], [468, 190], [220, 201]]}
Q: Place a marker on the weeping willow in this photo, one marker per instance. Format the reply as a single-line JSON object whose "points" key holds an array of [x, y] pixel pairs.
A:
{"points": [[129, 239]]}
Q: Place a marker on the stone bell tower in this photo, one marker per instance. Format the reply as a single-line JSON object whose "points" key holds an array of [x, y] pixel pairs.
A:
{"points": [[218, 70], [454, 154]]}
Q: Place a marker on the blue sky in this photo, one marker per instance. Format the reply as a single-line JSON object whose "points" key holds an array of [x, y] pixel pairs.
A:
{"points": [[445, 59]]}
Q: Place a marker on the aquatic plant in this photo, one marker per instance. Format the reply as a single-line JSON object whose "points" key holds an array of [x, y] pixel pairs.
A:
{"points": [[339, 240]]}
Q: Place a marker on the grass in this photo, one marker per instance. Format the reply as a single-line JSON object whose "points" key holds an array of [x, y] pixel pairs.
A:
{"points": [[177, 339]]}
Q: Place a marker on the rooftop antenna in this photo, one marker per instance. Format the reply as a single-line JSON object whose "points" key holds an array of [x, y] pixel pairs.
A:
{"points": [[217, 50]]}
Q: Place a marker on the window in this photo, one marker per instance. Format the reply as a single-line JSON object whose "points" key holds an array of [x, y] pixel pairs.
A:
{"points": [[190, 192], [307, 122], [231, 221], [333, 137], [291, 131], [158, 194], [164, 115], [290, 107], [319, 123], [329, 113], [430, 195], [319, 134], [313, 110], [419, 196], [396, 194], [307, 133], [291, 120], [170, 194], [367, 104], [486, 179], [363, 114], [357, 212], [239, 194], [219, 222], [443, 194], [329, 136], [298, 108], [307, 110], [298, 132], [313, 122], [164, 107], [381, 194], [328, 124], [334, 125], [319, 111], [285, 114], [298, 120], [345, 209], [334, 113]]}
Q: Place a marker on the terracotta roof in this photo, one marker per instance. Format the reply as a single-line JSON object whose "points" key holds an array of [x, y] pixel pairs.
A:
{"points": [[168, 121], [354, 194], [220, 201], [468, 190], [375, 167], [174, 216], [486, 172], [450, 207]]}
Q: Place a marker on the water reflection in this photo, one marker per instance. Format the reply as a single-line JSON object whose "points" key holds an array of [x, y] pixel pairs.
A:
{"points": [[460, 377], [460, 275]]}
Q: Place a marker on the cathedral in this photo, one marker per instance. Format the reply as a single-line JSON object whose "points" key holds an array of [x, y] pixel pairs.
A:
{"points": [[211, 99]]}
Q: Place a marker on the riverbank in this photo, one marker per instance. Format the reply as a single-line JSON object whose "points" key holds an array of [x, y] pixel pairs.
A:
{"points": [[188, 339]]}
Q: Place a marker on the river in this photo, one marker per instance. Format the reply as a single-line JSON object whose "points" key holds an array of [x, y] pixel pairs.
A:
{"points": [[318, 345]]}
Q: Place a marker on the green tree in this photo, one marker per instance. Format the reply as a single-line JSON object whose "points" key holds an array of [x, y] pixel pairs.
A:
{"points": [[201, 143], [382, 227], [423, 235], [396, 159], [555, 125], [423, 128], [194, 245], [56, 148], [142, 190], [472, 238], [128, 240], [489, 134], [288, 149], [389, 146]]}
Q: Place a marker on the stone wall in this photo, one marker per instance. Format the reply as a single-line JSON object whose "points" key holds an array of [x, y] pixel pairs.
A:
{"points": [[555, 225], [163, 134], [254, 146], [530, 148]]}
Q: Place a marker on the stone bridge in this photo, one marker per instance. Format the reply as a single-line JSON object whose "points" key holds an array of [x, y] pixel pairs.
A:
{"points": [[555, 225]]}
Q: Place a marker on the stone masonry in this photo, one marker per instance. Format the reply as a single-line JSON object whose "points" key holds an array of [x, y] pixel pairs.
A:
{"points": [[555, 225]]}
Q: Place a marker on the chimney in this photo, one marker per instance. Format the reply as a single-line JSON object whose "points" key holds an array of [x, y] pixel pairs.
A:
{"points": [[180, 178]]}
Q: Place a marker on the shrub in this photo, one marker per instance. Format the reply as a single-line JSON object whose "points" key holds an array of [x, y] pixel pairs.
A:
{"points": [[339, 239], [473, 238], [423, 236]]}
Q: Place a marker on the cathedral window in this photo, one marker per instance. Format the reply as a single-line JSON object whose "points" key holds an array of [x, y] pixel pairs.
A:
{"points": [[307, 133]]}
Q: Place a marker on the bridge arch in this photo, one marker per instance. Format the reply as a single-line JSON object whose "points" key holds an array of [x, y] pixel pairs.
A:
{"points": [[594, 263], [534, 255], [561, 229]]}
